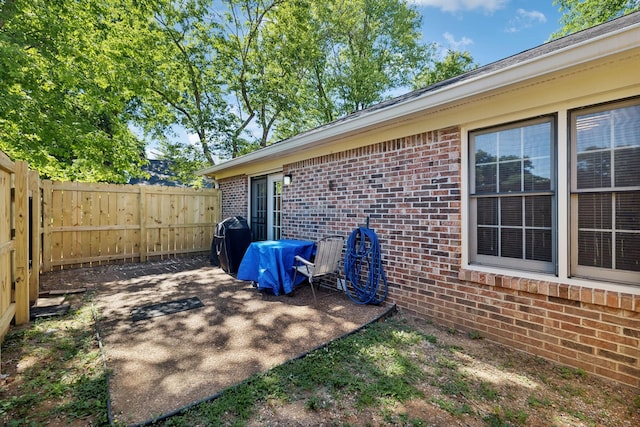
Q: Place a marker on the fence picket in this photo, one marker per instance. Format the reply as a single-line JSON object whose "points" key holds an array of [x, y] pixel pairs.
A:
{"points": [[21, 220], [35, 231], [132, 223], [69, 224]]}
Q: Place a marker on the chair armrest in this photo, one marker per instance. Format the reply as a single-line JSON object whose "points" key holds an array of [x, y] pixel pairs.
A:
{"points": [[304, 261]]}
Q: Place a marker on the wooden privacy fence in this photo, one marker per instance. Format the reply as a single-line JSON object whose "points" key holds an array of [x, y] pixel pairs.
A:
{"points": [[47, 225], [90, 224], [19, 241]]}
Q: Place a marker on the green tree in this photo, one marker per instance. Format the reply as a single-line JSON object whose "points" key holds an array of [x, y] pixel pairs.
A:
{"points": [[370, 47], [292, 42], [453, 64], [63, 103], [582, 14], [173, 47], [329, 59], [286, 66], [259, 67], [240, 74]]}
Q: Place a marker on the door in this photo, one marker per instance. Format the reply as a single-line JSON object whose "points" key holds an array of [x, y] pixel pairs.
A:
{"points": [[259, 208], [274, 207], [266, 207]]}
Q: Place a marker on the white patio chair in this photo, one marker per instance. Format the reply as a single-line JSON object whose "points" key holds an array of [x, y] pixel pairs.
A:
{"points": [[328, 254]]}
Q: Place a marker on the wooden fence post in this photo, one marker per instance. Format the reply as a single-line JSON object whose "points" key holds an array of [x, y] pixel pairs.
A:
{"points": [[143, 223], [47, 199], [21, 185], [36, 221]]}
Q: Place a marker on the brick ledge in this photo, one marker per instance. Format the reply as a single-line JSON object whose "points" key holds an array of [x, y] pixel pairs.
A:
{"points": [[583, 294]]}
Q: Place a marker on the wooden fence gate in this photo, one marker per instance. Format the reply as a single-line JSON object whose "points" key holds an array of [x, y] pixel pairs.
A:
{"points": [[19, 241]]}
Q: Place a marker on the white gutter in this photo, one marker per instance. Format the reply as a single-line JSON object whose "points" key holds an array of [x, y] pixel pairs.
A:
{"points": [[588, 50]]}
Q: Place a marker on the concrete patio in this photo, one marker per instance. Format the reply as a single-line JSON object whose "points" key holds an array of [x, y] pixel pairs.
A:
{"points": [[162, 364]]}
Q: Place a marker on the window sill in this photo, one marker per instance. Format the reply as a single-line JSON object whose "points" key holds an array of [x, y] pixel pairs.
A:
{"points": [[589, 292]]}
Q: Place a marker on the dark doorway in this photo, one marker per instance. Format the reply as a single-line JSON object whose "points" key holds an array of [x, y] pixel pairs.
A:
{"points": [[259, 208]]}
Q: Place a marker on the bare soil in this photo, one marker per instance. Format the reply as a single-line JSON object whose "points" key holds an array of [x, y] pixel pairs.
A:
{"points": [[162, 364]]}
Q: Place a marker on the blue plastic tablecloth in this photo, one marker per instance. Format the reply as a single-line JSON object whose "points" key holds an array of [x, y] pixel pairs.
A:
{"points": [[270, 263]]}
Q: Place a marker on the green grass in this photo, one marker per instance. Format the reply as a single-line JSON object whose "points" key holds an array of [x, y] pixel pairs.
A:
{"points": [[370, 368], [536, 402], [506, 416], [474, 335], [373, 371], [487, 392], [379, 375], [65, 377], [452, 407], [568, 373]]}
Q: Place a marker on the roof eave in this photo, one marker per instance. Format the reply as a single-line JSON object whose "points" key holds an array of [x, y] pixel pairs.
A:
{"points": [[557, 60]]}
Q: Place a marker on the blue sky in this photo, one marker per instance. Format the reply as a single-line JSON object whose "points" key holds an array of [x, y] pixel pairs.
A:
{"points": [[490, 29]]}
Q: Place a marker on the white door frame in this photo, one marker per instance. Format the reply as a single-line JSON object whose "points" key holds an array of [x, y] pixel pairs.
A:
{"points": [[274, 206]]}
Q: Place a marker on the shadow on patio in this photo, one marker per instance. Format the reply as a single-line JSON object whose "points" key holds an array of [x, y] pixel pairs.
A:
{"points": [[161, 364]]}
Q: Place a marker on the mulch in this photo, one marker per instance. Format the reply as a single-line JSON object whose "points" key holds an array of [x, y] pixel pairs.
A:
{"points": [[165, 362]]}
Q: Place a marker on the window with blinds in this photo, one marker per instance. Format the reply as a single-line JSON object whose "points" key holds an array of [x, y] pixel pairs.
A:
{"points": [[513, 196], [605, 192]]}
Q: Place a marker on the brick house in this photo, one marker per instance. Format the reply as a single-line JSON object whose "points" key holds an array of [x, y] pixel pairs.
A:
{"points": [[506, 200]]}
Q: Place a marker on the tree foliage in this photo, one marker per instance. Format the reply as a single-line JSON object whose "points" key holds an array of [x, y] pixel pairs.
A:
{"points": [[582, 14], [372, 46], [453, 64], [299, 64], [64, 103], [172, 48], [77, 76]]}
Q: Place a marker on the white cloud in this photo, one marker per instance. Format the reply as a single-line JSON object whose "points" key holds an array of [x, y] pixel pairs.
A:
{"points": [[525, 19], [489, 6], [457, 44]]}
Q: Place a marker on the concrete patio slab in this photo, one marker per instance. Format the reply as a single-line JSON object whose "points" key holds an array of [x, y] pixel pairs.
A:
{"points": [[162, 364]]}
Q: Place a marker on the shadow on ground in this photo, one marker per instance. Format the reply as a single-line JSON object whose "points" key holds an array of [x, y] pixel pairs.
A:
{"points": [[161, 364]]}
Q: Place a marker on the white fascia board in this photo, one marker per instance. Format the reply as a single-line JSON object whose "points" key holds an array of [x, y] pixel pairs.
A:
{"points": [[588, 50]]}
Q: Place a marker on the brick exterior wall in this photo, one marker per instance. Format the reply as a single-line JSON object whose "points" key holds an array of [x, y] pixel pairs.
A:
{"points": [[591, 329], [234, 196], [410, 190]]}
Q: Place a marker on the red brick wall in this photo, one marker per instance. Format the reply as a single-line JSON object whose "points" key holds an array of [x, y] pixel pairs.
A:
{"points": [[410, 190], [591, 329], [234, 196]]}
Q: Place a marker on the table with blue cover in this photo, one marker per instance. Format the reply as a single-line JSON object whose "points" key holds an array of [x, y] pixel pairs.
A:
{"points": [[270, 263]]}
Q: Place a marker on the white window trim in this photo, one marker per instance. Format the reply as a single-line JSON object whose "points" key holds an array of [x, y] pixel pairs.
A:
{"points": [[271, 227], [504, 262], [563, 207]]}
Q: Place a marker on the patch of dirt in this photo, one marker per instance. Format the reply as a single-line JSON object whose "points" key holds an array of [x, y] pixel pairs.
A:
{"points": [[162, 364]]}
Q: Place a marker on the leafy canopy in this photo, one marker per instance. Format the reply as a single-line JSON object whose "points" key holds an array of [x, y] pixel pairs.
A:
{"points": [[77, 76], [579, 15], [65, 100]]}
